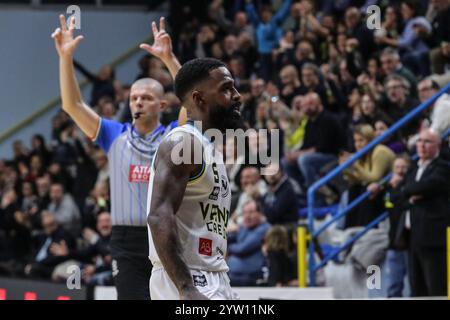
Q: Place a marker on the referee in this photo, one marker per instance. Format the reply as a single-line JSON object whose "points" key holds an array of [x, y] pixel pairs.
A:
{"points": [[130, 150]]}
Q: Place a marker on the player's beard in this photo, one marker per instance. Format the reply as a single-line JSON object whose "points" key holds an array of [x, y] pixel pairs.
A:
{"points": [[223, 118]]}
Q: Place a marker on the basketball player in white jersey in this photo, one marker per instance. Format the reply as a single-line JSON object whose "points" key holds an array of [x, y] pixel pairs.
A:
{"points": [[188, 204]]}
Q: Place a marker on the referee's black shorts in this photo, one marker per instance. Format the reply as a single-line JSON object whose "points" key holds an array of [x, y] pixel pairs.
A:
{"points": [[131, 267]]}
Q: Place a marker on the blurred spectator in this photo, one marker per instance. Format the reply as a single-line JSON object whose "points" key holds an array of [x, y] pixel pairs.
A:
{"points": [[30, 203], [276, 250], [37, 168], [245, 258], [309, 27], [397, 255], [370, 112], [102, 82], [357, 29], [280, 204], [440, 36], [20, 152], [205, 41], [240, 24], [14, 233], [290, 82], [370, 80], [390, 27], [252, 187], [39, 148], [85, 167], [393, 142], [311, 83], [144, 66], [268, 32], [59, 174], [415, 50], [237, 68], [439, 119], [43, 261], [95, 259], [248, 52], [98, 201], [353, 115], [426, 89], [347, 80], [172, 110], [294, 125], [63, 206], [283, 55], [122, 101], [101, 162], [399, 102], [64, 152], [43, 191], [391, 64], [322, 142], [261, 115], [373, 166], [106, 107], [257, 94]]}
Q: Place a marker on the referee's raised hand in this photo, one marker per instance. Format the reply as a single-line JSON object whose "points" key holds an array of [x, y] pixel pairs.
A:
{"points": [[65, 43], [162, 43]]}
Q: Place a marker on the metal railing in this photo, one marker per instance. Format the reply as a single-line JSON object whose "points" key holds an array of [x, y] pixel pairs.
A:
{"points": [[312, 266]]}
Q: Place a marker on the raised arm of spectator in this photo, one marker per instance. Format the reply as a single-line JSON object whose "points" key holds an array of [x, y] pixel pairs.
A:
{"points": [[92, 77], [283, 12], [410, 35], [316, 26], [162, 49], [72, 102], [251, 13]]}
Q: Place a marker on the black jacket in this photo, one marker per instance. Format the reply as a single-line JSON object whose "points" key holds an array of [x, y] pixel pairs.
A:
{"points": [[281, 206], [56, 237], [430, 215]]}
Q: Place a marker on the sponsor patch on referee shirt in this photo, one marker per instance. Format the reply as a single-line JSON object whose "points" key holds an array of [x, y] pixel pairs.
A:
{"points": [[139, 173]]}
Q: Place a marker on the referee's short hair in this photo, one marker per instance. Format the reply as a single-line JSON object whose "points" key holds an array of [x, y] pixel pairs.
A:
{"points": [[193, 72]]}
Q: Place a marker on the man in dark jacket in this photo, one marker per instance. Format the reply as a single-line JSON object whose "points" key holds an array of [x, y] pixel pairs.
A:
{"points": [[44, 262], [280, 204], [427, 190], [95, 258], [321, 145]]}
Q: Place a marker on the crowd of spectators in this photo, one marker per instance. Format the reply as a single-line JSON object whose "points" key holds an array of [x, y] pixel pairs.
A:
{"points": [[312, 69]]}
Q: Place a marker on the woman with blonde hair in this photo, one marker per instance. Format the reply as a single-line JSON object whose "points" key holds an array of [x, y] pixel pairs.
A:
{"points": [[276, 250], [371, 167]]}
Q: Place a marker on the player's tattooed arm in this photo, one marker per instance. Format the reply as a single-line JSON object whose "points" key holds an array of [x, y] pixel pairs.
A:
{"points": [[72, 102], [162, 49], [170, 181]]}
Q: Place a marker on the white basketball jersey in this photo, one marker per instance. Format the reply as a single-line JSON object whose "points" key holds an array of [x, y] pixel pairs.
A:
{"points": [[203, 215]]}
